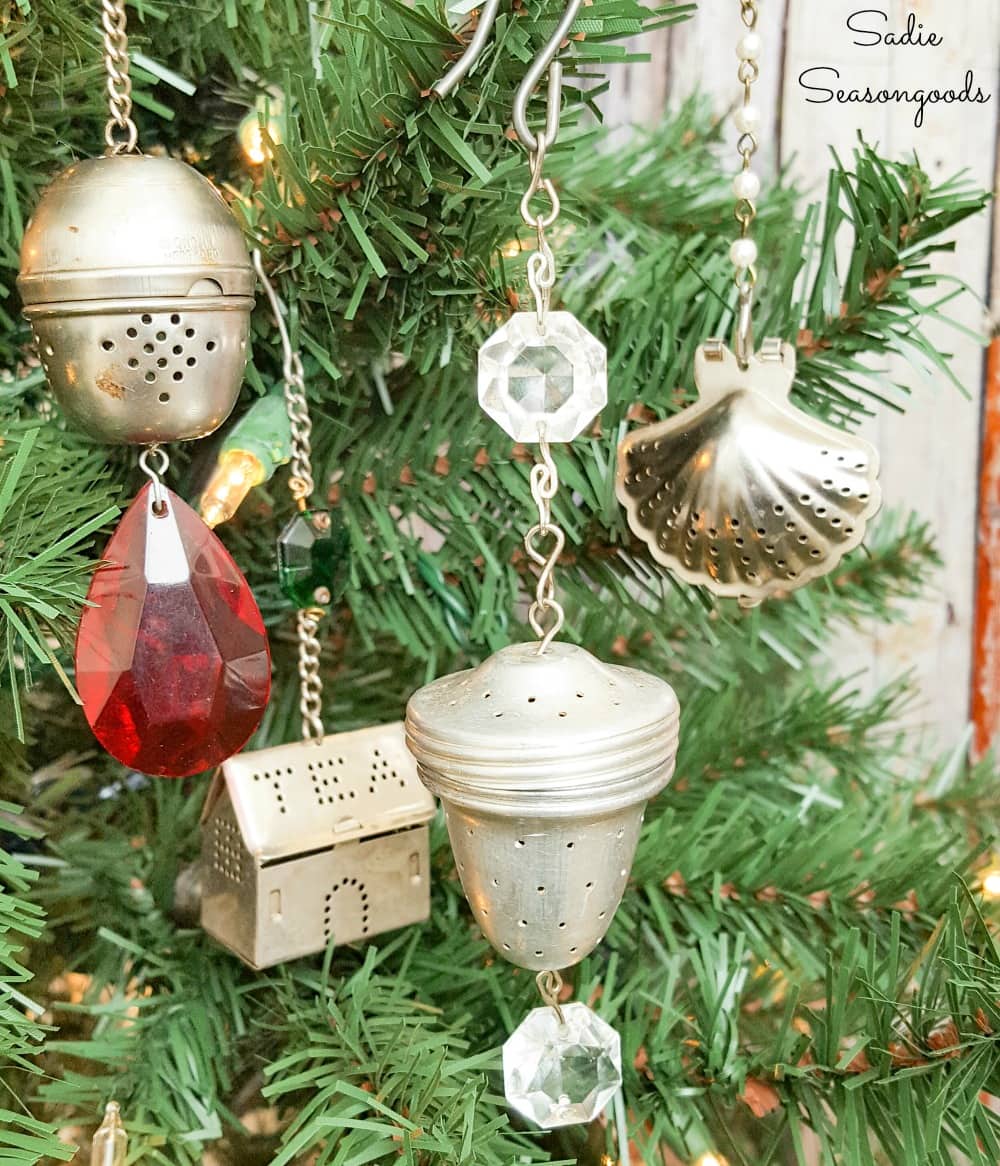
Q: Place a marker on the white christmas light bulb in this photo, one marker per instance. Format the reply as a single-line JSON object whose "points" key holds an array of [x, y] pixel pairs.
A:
{"points": [[110, 1144]]}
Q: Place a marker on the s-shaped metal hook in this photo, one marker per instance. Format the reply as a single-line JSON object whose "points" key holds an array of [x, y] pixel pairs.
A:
{"points": [[545, 60]]}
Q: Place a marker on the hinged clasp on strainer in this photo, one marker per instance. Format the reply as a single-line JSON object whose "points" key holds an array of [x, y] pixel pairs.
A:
{"points": [[142, 321]]}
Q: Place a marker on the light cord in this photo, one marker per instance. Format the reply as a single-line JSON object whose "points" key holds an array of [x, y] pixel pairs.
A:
{"points": [[296, 403]]}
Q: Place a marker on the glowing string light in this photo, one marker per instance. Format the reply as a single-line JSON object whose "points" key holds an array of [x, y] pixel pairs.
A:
{"points": [[110, 1144], [991, 884], [268, 113]]}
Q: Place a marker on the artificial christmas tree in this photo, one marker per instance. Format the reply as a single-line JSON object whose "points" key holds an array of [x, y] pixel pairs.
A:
{"points": [[801, 946]]}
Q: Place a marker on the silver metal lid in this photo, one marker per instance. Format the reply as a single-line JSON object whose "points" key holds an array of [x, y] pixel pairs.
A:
{"points": [[132, 226], [505, 737], [292, 799]]}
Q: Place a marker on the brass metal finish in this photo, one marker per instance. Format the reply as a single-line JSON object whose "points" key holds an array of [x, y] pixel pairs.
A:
{"points": [[138, 286]]}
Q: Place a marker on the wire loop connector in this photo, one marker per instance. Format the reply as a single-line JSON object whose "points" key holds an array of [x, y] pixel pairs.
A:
{"points": [[544, 543]]}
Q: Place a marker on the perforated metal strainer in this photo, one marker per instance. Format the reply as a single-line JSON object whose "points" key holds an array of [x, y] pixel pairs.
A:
{"points": [[544, 763], [742, 492], [138, 286]]}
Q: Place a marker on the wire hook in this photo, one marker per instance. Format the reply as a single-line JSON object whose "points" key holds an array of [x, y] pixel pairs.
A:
{"points": [[466, 62], [546, 59]]}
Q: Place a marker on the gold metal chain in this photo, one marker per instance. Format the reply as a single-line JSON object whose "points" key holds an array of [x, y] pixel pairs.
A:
{"points": [[310, 679], [748, 144], [746, 184], [120, 133]]}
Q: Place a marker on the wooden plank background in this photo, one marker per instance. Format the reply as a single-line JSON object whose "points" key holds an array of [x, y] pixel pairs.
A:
{"points": [[931, 456]]}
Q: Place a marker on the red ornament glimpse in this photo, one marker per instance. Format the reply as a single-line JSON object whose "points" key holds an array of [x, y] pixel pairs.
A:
{"points": [[172, 661]]}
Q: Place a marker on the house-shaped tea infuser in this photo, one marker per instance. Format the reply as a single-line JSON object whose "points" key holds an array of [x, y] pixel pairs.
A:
{"points": [[309, 842], [324, 839]]}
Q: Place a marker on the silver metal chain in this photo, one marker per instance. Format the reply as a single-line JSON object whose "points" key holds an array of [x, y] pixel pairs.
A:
{"points": [[545, 541], [296, 403], [301, 485], [310, 680], [541, 263], [120, 133], [543, 544]]}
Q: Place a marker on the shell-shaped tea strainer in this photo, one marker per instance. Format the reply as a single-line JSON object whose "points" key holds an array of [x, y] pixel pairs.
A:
{"points": [[742, 492], [138, 286], [544, 763]]}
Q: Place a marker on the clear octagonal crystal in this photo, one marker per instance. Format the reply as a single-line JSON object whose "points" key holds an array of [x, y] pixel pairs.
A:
{"points": [[562, 1074], [557, 378]]}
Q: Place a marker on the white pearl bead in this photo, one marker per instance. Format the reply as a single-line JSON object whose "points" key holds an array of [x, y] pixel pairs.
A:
{"points": [[748, 47], [747, 119], [743, 253], [746, 184]]}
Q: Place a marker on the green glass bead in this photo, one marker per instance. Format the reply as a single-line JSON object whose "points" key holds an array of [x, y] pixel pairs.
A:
{"points": [[313, 554]]}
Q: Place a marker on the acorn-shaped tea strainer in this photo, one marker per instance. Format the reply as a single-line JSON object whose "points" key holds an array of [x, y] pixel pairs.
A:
{"points": [[543, 757], [544, 763], [742, 492], [139, 287]]}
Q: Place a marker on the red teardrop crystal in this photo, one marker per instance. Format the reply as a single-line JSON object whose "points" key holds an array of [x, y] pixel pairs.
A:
{"points": [[172, 661]]}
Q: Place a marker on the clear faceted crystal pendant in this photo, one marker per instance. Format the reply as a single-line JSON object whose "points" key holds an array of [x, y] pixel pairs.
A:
{"points": [[530, 377], [742, 492], [561, 1071]]}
